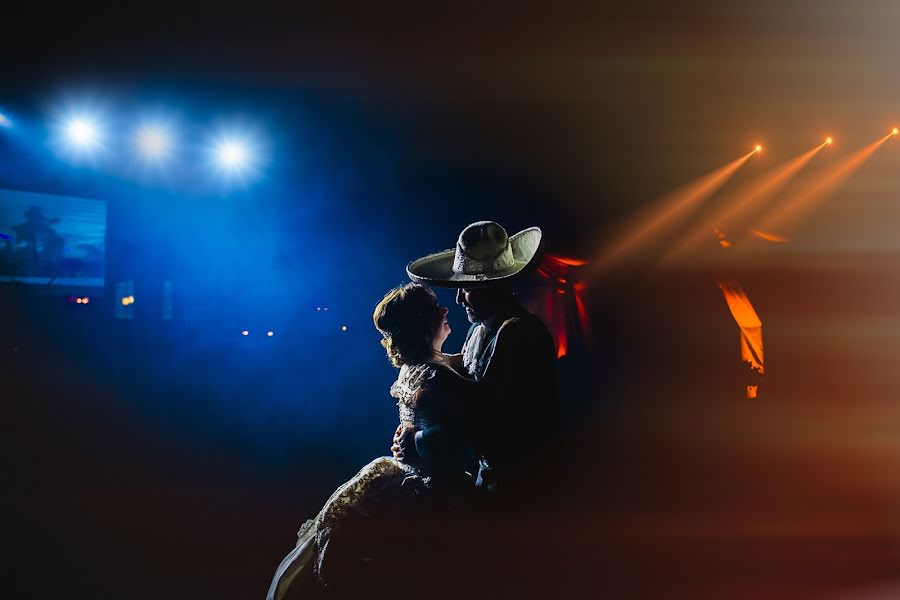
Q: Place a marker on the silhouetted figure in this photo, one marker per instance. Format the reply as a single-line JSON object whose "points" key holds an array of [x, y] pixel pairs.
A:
{"points": [[43, 245]]}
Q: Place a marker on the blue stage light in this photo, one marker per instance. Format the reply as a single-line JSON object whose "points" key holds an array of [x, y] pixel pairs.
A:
{"points": [[154, 141], [233, 155], [79, 131], [5, 121], [82, 133], [237, 154]]}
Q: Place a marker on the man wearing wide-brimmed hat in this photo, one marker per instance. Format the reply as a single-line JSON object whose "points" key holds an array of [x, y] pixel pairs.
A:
{"points": [[507, 349]]}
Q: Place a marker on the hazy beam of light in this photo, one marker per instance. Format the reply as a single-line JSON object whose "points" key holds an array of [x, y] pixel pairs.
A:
{"points": [[736, 207], [666, 213], [789, 215]]}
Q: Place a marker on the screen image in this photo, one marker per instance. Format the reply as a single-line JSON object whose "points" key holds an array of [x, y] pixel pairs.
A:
{"points": [[52, 240]]}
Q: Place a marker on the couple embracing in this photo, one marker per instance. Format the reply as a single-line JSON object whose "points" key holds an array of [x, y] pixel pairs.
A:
{"points": [[417, 517]]}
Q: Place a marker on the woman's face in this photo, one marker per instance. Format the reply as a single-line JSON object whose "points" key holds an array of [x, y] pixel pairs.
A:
{"points": [[443, 327]]}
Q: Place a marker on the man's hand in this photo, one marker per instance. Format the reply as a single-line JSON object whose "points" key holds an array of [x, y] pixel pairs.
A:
{"points": [[404, 444]]}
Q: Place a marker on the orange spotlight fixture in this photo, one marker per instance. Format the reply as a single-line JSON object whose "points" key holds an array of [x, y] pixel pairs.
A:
{"points": [[828, 141], [757, 148], [895, 131]]}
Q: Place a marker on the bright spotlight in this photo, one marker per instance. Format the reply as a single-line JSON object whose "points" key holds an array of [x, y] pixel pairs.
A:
{"points": [[153, 141], [82, 133], [757, 148], [895, 131], [245, 333], [5, 121], [828, 141], [238, 154], [270, 333], [233, 155], [79, 132]]}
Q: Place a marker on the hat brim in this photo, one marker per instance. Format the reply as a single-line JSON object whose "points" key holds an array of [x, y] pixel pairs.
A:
{"points": [[437, 269]]}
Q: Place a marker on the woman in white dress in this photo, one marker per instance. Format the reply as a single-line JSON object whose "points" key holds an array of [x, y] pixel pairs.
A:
{"points": [[385, 519]]}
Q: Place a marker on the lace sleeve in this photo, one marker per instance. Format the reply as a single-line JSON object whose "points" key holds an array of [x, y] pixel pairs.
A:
{"points": [[410, 381]]}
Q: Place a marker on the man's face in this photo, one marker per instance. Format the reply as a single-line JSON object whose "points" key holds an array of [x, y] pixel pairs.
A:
{"points": [[480, 303]]}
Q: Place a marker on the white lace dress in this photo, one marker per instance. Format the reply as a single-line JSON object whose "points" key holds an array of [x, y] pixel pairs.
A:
{"points": [[373, 516]]}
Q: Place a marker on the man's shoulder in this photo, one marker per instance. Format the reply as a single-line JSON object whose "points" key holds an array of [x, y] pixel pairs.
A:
{"points": [[524, 328], [523, 323]]}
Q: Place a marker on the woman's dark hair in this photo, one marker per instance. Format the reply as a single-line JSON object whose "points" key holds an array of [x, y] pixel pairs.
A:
{"points": [[408, 317]]}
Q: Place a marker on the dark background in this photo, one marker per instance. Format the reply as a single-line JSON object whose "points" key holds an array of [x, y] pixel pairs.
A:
{"points": [[150, 459]]}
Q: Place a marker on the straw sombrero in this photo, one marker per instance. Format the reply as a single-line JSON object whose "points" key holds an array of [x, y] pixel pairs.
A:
{"points": [[484, 256]]}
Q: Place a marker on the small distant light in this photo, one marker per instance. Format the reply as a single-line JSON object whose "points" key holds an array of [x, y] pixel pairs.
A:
{"points": [[245, 333], [5, 121], [318, 308], [270, 333], [130, 299], [757, 148], [125, 301], [85, 300], [78, 300], [326, 308], [828, 140], [343, 328]]}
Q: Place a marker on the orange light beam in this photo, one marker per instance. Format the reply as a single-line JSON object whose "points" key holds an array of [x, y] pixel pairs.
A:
{"points": [[789, 215], [570, 262], [665, 213], [736, 207], [770, 237]]}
